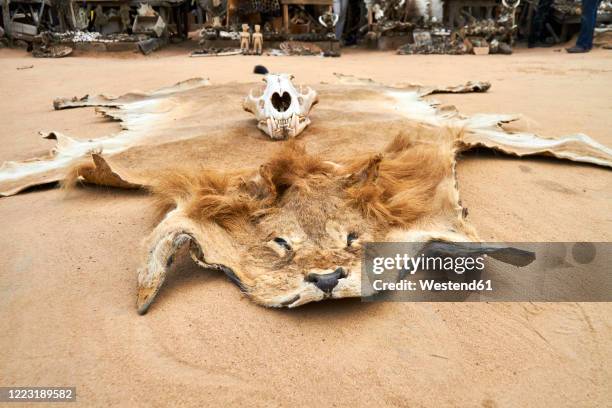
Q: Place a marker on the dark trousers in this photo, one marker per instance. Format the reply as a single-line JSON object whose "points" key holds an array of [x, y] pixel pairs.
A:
{"points": [[587, 23], [538, 24]]}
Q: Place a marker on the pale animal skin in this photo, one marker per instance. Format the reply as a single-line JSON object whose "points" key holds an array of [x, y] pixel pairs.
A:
{"points": [[291, 232], [288, 226]]}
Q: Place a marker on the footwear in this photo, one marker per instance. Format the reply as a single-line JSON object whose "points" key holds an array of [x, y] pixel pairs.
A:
{"points": [[576, 49]]}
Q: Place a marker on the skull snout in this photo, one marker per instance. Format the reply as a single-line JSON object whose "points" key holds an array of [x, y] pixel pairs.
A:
{"points": [[281, 102], [328, 281]]}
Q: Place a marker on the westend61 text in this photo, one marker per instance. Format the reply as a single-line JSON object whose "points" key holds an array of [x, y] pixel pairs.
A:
{"points": [[433, 285]]}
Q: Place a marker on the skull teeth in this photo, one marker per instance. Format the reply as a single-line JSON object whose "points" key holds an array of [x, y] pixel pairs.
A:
{"points": [[283, 127], [271, 127], [284, 123]]}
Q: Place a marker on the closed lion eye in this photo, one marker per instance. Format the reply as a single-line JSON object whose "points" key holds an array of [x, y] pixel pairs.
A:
{"points": [[350, 238], [283, 243]]}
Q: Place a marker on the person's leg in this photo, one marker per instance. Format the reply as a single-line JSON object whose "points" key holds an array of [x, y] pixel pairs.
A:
{"points": [[337, 6], [340, 9], [587, 23], [538, 23]]}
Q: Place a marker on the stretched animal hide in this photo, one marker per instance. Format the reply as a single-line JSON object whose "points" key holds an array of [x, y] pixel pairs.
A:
{"points": [[198, 122], [287, 225]]}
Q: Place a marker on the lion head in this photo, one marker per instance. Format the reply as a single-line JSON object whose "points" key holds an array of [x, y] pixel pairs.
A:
{"points": [[292, 231]]}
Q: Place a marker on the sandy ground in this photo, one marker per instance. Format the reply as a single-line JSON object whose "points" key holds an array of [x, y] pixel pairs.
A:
{"points": [[67, 265]]}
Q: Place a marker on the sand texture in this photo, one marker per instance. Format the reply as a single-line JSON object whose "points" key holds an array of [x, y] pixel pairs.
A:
{"points": [[68, 261]]}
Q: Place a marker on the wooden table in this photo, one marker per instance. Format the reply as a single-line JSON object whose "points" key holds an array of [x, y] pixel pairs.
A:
{"points": [[286, 4], [567, 20], [45, 5]]}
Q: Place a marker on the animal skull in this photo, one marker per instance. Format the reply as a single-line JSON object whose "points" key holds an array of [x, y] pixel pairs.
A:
{"points": [[281, 111]]}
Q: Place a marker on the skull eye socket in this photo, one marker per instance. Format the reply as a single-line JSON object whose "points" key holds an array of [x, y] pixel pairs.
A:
{"points": [[281, 103]]}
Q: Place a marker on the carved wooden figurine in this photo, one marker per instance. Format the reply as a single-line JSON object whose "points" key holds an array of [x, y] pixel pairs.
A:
{"points": [[245, 39], [257, 40]]}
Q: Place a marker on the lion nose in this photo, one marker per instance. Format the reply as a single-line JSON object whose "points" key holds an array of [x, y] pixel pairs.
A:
{"points": [[328, 281]]}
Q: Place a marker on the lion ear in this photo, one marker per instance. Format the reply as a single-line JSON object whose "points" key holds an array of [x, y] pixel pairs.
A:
{"points": [[367, 173], [261, 186], [267, 183]]}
